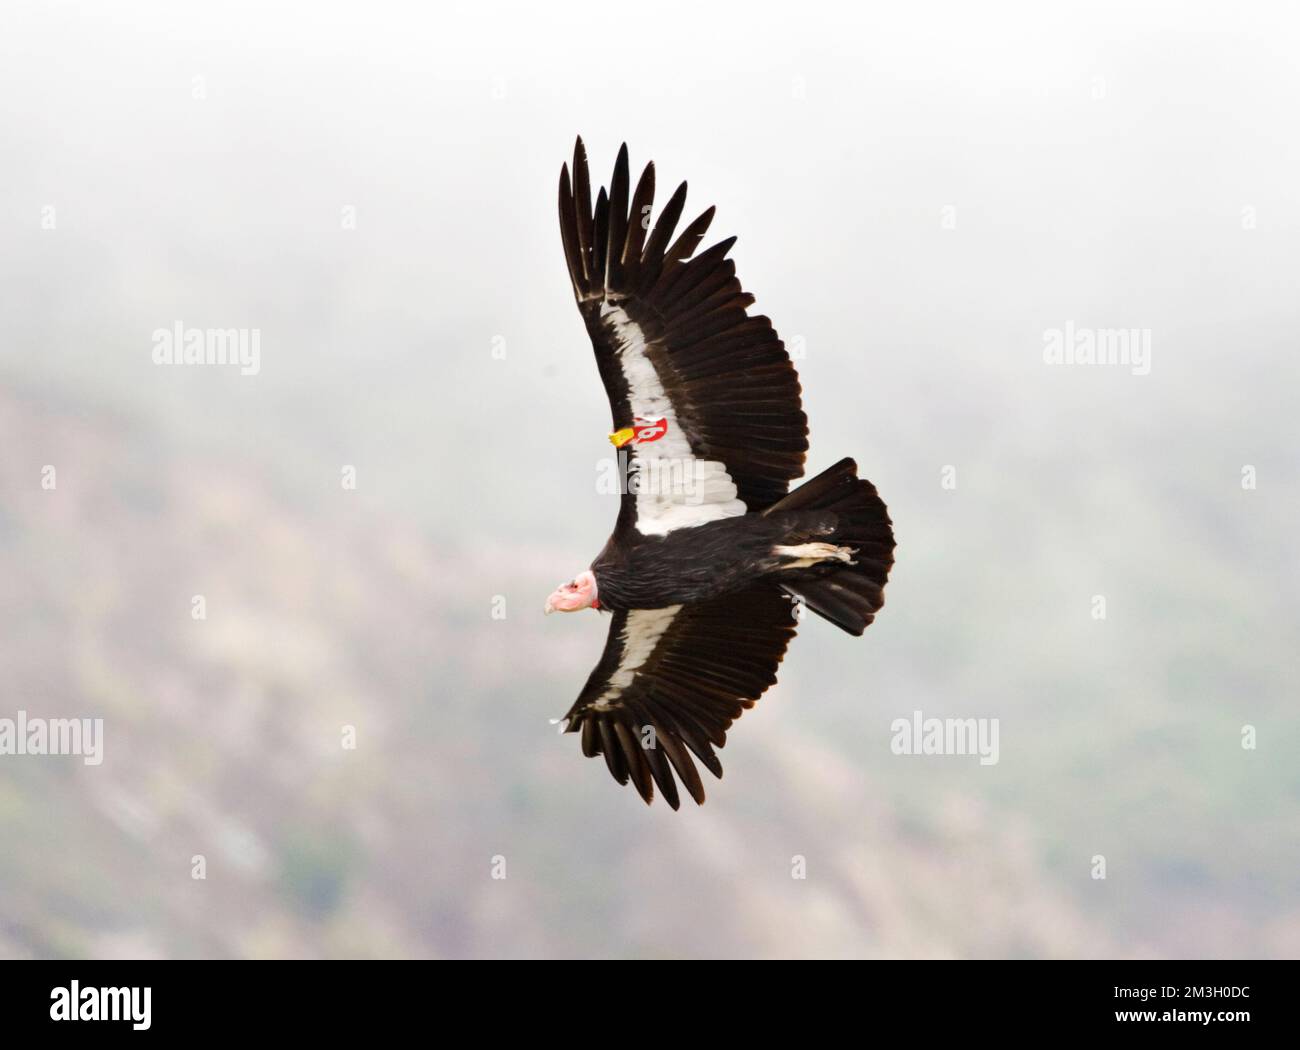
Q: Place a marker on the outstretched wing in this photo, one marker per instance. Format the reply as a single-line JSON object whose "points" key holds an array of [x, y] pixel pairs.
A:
{"points": [[674, 342], [671, 681]]}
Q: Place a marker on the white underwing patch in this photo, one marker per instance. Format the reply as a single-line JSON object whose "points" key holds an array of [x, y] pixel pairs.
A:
{"points": [[641, 633], [661, 508]]}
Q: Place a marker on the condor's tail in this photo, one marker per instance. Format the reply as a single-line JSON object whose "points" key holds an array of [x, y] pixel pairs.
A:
{"points": [[847, 595]]}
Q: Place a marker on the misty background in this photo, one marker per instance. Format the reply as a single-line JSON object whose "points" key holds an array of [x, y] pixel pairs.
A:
{"points": [[920, 196]]}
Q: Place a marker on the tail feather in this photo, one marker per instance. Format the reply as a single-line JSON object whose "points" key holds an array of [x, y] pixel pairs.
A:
{"points": [[849, 596]]}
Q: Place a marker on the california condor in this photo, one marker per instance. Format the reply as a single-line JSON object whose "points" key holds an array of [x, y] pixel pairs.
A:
{"points": [[712, 556]]}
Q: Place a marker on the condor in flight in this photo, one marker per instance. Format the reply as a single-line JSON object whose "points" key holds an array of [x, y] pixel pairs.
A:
{"points": [[712, 554]]}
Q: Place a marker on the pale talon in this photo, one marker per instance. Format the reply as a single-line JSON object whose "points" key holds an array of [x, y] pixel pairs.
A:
{"points": [[806, 555]]}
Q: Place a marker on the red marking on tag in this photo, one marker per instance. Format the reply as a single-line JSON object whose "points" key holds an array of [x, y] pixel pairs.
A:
{"points": [[644, 433]]}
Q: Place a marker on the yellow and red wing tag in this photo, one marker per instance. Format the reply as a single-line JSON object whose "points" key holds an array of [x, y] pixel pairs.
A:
{"points": [[642, 433]]}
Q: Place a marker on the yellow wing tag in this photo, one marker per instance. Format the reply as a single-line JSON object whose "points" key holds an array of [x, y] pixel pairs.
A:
{"points": [[621, 437]]}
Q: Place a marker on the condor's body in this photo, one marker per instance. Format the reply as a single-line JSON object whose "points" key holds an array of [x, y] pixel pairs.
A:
{"points": [[716, 558], [707, 561]]}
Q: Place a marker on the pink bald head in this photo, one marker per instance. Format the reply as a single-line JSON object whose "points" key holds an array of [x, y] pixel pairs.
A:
{"points": [[579, 594]]}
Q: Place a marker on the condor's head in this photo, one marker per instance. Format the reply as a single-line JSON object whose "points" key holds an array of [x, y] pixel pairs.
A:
{"points": [[578, 593]]}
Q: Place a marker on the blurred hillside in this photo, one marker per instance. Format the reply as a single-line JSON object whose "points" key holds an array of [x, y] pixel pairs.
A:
{"points": [[223, 739]]}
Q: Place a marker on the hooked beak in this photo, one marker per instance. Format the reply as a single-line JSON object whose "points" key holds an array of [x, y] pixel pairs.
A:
{"points": [[549, 607]]}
